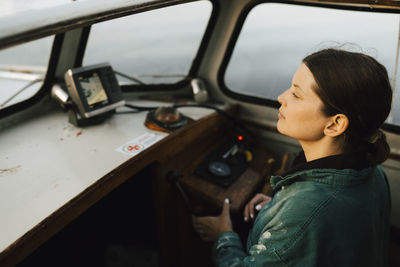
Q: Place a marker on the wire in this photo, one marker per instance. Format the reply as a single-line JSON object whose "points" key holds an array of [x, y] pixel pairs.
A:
{"points": [[128, 112], [20, 91], [140, 108], [129, 77], [156, 76]]}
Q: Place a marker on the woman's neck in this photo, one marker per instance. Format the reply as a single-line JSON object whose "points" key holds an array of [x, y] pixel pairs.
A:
{"points": [[320, 149]]}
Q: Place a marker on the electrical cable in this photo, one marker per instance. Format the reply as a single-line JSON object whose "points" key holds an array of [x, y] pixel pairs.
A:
{"points": [[140, 108], [129, 77], [20, 91], [128, 112]]}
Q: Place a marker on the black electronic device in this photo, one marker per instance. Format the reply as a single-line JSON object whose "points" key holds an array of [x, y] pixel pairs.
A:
{"points": [[226, 163], [166, 119], [94, 90]]}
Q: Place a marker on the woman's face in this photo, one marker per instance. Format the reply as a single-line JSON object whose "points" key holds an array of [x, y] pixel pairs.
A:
{"points": [[300, 115]]}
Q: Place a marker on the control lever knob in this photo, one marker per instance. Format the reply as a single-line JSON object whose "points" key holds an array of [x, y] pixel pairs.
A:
{"points": [[172, 177]]}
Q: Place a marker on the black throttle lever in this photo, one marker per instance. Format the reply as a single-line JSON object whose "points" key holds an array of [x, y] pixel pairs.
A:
{"points": [[173, 177]]}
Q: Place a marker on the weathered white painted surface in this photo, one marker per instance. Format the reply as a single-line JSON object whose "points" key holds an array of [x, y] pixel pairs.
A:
{"points": [[46, 161]]}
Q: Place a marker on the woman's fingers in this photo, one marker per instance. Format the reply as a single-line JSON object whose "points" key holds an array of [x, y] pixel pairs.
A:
{"points": [[246, 213], [200, 225], [199, 222], [225, 207], [250, 207], [209, 227], [258, 207], [255, 205], [262, 200]]}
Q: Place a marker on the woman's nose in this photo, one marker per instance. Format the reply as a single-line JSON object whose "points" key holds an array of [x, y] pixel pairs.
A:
{"points": [[281, 98]]}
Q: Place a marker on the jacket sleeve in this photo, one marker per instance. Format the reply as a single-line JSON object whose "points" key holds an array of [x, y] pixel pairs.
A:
{"points": [[228, 251]]}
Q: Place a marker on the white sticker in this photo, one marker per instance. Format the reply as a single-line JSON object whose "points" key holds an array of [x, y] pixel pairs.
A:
{"points": [[137, 145]]}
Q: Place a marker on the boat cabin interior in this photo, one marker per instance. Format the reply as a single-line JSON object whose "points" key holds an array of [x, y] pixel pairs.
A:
{"points": [[119, 120]]}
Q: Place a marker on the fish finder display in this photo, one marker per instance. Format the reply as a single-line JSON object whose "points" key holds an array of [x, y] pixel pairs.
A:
{"points": [[93, 89]]}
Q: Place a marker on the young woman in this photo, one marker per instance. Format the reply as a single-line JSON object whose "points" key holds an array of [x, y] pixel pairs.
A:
{"points": [[332, 207]]}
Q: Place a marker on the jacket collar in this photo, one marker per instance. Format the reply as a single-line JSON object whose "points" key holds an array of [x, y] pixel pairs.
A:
{"points": [[352, 160], [344, 169]]}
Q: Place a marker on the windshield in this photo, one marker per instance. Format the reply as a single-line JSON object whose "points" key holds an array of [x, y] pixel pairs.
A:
{"points": [[12, 7], [152, 47], [275, 37], [22, 70]]}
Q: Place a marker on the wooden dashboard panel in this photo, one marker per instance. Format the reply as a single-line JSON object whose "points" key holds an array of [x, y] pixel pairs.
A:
{"points": [[180, 151]]}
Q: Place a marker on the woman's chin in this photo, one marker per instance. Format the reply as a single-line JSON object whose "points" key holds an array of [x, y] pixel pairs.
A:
{"points": [[279, 126]]}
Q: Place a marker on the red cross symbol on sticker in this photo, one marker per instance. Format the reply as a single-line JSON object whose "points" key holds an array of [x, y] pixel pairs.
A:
{"points": [[135, 147], [131, 148]]}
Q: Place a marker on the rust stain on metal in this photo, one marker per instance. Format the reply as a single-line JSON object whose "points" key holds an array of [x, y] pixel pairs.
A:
{"points": [[10, 170]]}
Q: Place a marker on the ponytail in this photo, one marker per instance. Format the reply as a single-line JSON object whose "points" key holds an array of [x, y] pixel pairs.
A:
{"points": [[378, 148]]}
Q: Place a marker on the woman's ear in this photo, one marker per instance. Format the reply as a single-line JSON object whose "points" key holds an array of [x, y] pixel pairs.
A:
{"points": [[336, 125]]}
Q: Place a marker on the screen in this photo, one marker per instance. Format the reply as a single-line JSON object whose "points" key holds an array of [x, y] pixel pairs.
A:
{"points": [[93, 89]]}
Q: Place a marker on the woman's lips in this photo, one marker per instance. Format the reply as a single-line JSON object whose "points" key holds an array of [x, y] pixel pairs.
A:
{"points": [[280, 116]]}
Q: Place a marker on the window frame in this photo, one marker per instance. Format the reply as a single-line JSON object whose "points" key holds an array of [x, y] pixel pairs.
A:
{"points": [[235, 36]]}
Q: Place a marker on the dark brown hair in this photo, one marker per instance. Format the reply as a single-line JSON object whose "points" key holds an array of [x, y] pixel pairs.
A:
{"points": [[358, 86]]}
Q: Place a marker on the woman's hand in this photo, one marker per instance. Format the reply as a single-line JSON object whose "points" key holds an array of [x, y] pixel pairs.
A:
{"points": [[210, 227], [256, 203]]}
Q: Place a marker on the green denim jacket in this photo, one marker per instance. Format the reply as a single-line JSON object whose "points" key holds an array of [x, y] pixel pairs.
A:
{"points": [[317, 217]]}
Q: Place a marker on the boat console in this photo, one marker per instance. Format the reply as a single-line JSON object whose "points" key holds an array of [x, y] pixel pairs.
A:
{"points": [[98, 159]]}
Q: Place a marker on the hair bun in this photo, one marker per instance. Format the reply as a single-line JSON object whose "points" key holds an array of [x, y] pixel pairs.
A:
{"points": [[379, 149]]}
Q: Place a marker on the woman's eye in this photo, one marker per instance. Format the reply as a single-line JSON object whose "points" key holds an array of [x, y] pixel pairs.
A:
{"points": [[295, 96]]}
